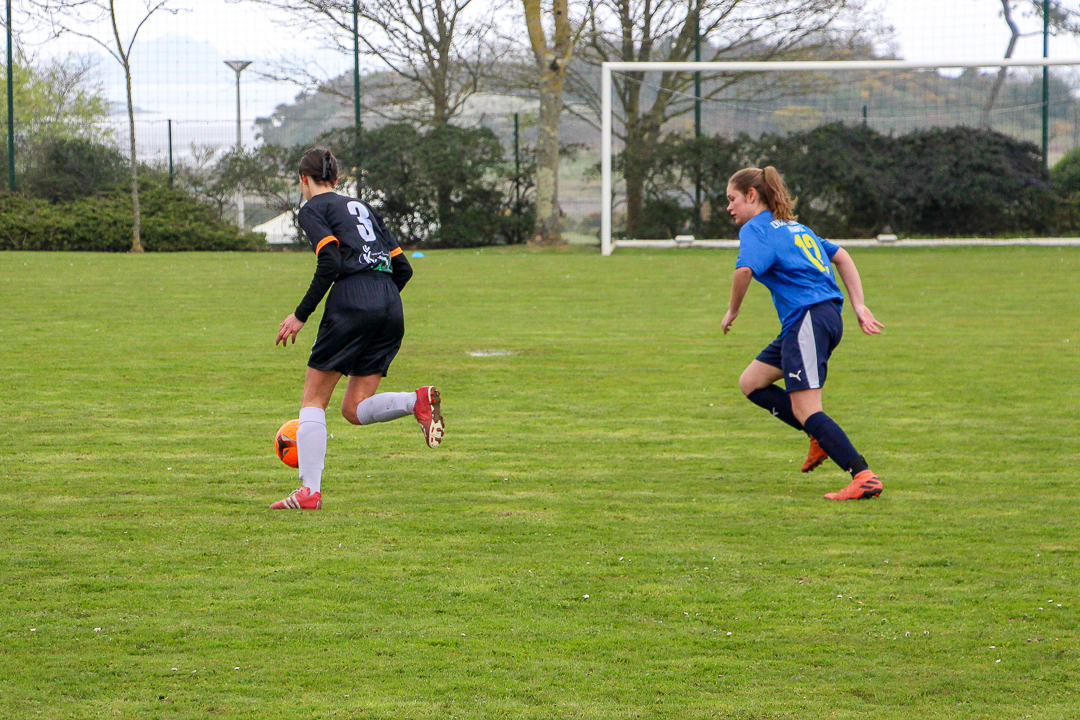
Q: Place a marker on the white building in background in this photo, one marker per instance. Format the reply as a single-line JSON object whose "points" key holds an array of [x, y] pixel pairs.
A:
{"points": [[279, 230]]}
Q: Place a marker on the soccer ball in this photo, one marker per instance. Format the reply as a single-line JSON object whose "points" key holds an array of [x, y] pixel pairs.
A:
{"points": [[285, 443]]}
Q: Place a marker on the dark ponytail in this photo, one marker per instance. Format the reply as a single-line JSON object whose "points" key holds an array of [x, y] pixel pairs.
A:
{"points": [[770, 188], [320, 165]]}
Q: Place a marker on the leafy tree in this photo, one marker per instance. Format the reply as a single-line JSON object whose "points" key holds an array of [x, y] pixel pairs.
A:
{"points": [[268, 172], [665, 30], [1062, 20], [54, 99], [442, 49], [552, 57], [77, 17]]}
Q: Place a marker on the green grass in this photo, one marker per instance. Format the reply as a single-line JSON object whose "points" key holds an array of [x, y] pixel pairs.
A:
{"points": [[610, 456]]}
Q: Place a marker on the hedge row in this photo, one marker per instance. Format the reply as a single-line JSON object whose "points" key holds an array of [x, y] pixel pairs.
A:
{"points": [[852, 182], [171, 221]]}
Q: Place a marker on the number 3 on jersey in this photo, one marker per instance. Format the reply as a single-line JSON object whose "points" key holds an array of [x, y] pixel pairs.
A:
{"points": [[813, 252], [367, 232]]}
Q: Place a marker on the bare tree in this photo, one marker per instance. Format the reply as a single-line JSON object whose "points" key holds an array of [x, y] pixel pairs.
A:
{"points": [[1062, 20], [664, 30], [73, 16], [442, 48], [552, 54]]}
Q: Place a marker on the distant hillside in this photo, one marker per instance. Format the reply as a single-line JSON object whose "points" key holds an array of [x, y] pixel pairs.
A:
{"points": [[890, 101]]}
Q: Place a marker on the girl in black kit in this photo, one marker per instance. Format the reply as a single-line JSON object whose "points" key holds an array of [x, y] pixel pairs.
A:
{"points": [[361, 265]]}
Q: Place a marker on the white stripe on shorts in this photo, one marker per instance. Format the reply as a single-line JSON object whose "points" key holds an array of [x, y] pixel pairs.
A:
{"points": [[808, 350]]}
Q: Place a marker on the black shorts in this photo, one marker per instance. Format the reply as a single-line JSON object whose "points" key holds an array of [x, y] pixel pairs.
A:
{"points": [[362, 326], [803, 353]]}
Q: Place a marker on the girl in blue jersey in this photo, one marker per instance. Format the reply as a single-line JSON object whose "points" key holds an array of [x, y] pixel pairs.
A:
{"points": [[799, 268]]}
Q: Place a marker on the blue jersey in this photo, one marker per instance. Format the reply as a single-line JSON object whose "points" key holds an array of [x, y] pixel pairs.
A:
{"points": [[792, 261]]}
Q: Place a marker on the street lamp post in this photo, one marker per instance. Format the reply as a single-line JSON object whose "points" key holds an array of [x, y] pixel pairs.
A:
{"points": [[238, 67], [10, 107]]}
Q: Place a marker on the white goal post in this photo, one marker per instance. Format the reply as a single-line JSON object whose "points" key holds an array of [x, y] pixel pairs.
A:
{"points": [[606, 244]]}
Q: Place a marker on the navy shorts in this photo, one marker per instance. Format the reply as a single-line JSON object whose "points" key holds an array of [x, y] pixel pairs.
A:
{"points": [[362, 326], [803, 353]]}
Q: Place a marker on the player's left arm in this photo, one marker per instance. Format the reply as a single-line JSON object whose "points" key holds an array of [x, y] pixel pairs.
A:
{"points": [[845, 268], [403, 271]]}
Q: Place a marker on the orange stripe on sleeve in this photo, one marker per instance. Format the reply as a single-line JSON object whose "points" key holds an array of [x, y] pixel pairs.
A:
{"points": [[324, 241], [395, 252]]}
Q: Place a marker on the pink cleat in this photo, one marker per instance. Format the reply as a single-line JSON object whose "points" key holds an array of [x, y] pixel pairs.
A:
{"points": [[429, 414], [300, 499]]}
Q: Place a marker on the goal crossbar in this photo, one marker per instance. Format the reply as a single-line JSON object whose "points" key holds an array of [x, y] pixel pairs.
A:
{"points": [[606, 245]]}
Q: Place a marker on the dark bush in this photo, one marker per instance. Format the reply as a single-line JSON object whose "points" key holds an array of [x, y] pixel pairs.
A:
{"points": [[67, 168], [964, 181], [171, 221], [446, 187], [1065, 175], [854, 182], [845, 177]]}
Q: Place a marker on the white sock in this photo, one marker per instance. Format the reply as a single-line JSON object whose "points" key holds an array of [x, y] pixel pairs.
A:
{"points": [[385, 407], [311, 447]]}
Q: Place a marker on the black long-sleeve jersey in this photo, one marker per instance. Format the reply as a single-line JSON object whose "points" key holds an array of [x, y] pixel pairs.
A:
{"points": [[358, 230], [349, 237]]}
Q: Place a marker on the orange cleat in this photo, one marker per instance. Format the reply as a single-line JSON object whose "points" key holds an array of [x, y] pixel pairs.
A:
{"points": [[863, 486], [300, 499], [815, 457], [429, 414]]}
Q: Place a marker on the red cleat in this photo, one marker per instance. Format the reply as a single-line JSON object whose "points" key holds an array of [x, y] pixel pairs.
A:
{"points": [[300, 499], [429, 414], [863, 486], [815, 457]]}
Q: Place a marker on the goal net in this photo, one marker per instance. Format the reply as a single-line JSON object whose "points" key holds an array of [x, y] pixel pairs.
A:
{"points": [[832, 117]]}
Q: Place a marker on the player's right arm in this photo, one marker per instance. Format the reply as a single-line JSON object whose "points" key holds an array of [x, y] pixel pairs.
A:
{"points": [[328, 250], [325, 274], [740, 283], [755, 256]]}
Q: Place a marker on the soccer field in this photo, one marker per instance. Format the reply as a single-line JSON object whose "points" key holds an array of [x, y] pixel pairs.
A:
{"points": [[610, 530]]}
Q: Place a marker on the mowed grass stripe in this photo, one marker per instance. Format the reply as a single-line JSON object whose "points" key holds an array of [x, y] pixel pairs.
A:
{"points": [[609, 455]]}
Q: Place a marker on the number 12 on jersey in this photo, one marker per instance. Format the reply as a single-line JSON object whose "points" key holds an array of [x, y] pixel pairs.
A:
{"points": [[812, 250]]}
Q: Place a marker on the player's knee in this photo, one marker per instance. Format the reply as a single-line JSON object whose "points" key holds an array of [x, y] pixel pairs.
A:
{"points": [[802, 407], [748, 384], [349, 413]]}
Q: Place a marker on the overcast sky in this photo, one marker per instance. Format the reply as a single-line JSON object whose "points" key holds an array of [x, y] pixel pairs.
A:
{"points": [[180, 73]]}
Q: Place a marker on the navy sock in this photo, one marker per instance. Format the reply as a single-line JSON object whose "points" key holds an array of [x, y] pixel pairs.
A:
{"points": [[776, 400], [835, 443]]}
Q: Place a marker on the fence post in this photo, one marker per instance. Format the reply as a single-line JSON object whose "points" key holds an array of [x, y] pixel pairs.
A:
{"points": [[357, 116], [10, 106], [170, 155], [1046, 86]]}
